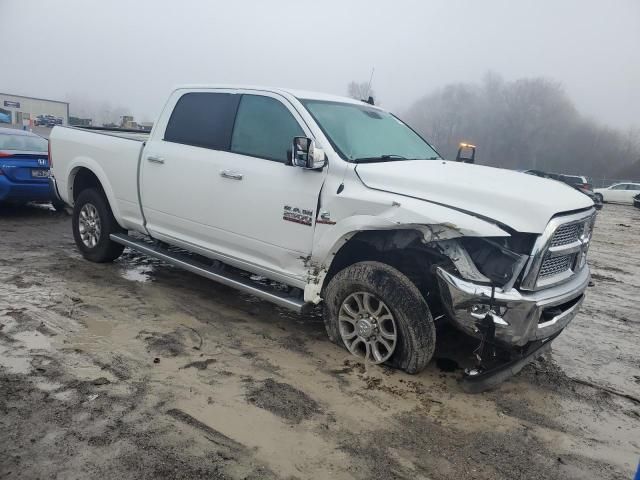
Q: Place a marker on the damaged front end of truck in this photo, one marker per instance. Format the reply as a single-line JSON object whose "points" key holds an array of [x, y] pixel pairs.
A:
{"points": [[515, 294]]}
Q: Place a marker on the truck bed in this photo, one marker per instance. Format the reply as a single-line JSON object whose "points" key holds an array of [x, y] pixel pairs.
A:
{"points": [[138, 135], [112, 155]]}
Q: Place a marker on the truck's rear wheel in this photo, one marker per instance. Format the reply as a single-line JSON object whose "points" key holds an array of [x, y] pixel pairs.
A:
{"points": [[379, 315], [93, 222]]}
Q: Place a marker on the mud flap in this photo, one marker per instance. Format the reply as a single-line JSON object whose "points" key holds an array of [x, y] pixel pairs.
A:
{"points": [[491, 378]]}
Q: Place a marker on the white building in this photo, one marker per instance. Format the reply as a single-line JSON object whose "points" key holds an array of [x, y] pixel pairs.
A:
{"points": [[20, 110]]}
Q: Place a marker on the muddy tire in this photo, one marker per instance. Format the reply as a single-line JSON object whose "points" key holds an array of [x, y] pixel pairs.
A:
{"points": [[415, 331], [599, 197], [93, 222]]}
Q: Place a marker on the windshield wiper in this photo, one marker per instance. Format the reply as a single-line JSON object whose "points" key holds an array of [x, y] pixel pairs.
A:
{"points": [[381, 158]]}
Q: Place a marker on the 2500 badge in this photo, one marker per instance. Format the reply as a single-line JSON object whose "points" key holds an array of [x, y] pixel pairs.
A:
{"points": [[297, 215]]}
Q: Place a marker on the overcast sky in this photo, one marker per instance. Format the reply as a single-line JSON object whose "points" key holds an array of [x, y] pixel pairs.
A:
{"points": [[131, 53]]}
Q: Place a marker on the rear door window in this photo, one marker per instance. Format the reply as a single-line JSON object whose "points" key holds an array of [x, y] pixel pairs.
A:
{"points": [[203, 119], [264, 128]]}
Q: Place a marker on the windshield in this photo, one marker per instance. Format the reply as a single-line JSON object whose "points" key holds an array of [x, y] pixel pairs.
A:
{"points": [[361, 133], [25, 143]]}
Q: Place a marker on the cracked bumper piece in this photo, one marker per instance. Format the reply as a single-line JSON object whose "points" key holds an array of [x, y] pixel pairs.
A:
{"points": [[519, 317], [489, 379]]}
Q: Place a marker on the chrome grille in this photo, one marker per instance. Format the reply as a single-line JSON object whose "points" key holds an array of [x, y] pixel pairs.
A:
{"points": [[555, 265], [566, 234], [560, 252]]}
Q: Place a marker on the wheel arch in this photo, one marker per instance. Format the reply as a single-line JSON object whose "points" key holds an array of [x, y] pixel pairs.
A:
{"points": [[81, 179], [86, 173], [403, 249], [415, 334]]}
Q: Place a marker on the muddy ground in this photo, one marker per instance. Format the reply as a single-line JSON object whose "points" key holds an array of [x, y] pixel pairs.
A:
{"points": [[139, 370]]}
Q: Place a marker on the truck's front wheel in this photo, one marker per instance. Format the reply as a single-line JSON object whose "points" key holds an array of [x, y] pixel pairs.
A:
{"points": [[379, 315], [93, 222]]}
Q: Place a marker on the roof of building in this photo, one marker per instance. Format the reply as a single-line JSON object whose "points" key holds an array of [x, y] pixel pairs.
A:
{"points": [[34, 98]]}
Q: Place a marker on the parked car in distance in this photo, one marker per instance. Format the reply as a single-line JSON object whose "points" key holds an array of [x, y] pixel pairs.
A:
{"points": [[344, 204], [580, 183], [47, 121], [44, 120], [618, 192], [537, 173], [24, 168]]}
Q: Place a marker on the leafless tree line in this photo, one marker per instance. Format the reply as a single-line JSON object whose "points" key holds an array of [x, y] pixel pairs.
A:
{"points": [[522, 124]]}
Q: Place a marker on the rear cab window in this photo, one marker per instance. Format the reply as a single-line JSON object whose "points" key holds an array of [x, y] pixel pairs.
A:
{"points": [[203, 119]]}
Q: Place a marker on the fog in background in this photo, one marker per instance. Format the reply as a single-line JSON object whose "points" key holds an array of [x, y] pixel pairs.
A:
{"points": [[124, 57]]}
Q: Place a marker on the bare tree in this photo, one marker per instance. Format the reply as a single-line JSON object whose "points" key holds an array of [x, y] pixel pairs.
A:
{"points": [[527, 123]]}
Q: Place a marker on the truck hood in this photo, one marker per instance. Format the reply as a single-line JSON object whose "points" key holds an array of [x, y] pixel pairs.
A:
{"points": [[523, 202]]}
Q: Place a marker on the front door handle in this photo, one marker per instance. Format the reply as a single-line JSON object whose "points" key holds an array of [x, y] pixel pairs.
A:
{"points": [[231, 175], [155, 159]]}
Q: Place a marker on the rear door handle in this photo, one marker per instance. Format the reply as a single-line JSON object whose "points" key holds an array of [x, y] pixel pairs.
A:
{"points": [[231, 175], [155, 159]]}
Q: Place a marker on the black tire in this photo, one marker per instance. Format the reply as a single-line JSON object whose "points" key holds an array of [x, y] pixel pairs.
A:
{"points": [[416, 331], [104, 250], [599, 197]]}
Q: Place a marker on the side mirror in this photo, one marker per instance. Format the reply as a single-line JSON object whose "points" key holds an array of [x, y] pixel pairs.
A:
{"points": [[306, 155], [466, 153]]}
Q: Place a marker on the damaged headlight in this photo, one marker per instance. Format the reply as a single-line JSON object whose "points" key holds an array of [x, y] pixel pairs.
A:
{"points": [[491, 261]]}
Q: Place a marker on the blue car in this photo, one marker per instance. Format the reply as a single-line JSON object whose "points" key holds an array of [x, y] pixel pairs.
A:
{"points": [[24, 168]]}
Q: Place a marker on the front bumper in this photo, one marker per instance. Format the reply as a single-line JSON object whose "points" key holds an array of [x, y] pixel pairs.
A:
{"points": [[520, 317]]}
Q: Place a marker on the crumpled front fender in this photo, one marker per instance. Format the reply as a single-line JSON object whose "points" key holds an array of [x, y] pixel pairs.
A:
{"points": [[434, 222]]}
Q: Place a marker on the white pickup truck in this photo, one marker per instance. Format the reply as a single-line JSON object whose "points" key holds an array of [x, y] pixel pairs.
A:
{"points": [[344, 204]]}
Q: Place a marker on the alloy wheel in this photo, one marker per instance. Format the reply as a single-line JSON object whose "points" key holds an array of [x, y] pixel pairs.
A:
{"points": [[367, 327]]}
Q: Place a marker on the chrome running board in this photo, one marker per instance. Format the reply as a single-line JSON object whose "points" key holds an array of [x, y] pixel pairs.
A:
{"points": [[230, 279]]}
